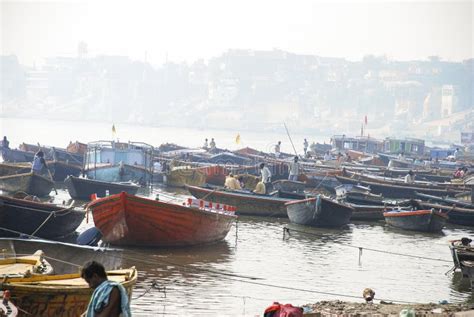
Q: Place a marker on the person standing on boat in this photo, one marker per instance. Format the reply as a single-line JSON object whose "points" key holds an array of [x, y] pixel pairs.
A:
{"points": [[5, 143], [109, 298], [39, 164], [213, 145], [294, 169], [266, 176], [277, 149], [456, 154], [410, 177], [305, 146]]}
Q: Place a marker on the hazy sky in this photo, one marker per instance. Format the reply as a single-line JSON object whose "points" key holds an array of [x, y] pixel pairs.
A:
{"points": [[188, 30]]}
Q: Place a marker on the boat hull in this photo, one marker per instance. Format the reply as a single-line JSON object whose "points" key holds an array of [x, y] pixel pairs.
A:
{"points": [[81, 188], [29, 183], [289, 186], [397, 191], [131, 220], [11, 155], [26, 217], [59, 295], [318, 212], [61, 170], [117, 173], [420, 220], [246, 204]]}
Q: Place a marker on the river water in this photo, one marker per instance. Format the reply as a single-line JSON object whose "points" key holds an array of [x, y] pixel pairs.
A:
{"points": [[257, 264]]}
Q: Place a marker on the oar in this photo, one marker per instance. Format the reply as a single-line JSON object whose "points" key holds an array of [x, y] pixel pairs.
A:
{"points": [[289, 137], [51, 176]]}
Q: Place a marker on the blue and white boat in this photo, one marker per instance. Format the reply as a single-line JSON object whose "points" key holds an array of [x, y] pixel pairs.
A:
{"points": [[112, 161]]}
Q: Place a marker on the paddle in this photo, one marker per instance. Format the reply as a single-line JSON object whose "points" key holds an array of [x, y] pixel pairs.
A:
{"points": [[291, 141], [51, 176]]}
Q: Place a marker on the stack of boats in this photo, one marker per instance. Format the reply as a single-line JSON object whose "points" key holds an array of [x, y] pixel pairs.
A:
{"points": [[108, 175]]}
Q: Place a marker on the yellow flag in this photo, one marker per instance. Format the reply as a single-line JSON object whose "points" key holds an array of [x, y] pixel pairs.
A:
{"points": [[237, 139], [113, 128]]}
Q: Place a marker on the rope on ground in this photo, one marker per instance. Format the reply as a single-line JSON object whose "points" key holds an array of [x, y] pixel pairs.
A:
{"points": [[154, 285], [62, 261]]}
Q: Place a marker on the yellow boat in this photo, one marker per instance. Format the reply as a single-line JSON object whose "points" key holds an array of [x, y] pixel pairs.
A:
{"points": [[25, 266], [59, 295]]}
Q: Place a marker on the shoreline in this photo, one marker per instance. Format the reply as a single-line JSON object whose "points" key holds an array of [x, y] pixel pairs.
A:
{"points": [[341, 308]]}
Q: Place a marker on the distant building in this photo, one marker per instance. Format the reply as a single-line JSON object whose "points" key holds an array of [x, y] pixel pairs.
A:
{"points": [[448, 101]]}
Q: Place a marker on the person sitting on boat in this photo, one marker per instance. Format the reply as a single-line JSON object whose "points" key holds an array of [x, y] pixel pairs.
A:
{"points": [[232, 183], [266, 176], [205, 146], [294, 169], [327, 156], [109, 298], [39, 164], [277, 149], [410, 177], [241, 181], [260, 188], [459, 173]]}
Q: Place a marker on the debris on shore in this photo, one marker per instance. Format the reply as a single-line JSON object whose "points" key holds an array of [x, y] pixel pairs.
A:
{"points": [[346, 309]]}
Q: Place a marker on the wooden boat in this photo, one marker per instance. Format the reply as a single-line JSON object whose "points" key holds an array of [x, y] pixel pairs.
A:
{"points": [[59, 295], [13, 155], [449, 201], [180, 176], [14, 168], [24, 266], [215, 174], [418, 220], [288, 185], [247, 203], [398, 191], [398, 181], [457, 215], [76, 147], [367, 212], [125, 219], [64, 257], [32, 184], [319, 212], [460, 252], [61, 155], [61, 170], [83, 188], [112, 161], [20, 216], [119, 173]]}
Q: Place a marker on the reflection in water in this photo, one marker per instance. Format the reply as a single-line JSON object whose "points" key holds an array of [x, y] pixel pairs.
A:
{"points": [[461, 288]]}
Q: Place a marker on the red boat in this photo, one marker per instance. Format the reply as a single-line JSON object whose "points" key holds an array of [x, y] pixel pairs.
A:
{"points": [[126, 219]]}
